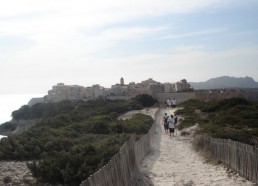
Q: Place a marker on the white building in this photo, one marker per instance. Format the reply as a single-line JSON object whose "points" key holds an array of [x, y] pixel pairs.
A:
{"points": [[62, 92]]}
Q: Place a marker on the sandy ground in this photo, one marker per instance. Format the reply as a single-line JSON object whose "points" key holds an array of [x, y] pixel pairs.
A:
{"points": [[151, 112], [15, 173], [173, 162]]}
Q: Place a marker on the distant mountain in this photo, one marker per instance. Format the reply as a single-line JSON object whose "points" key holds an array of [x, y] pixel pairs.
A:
{"points": [[225, 82]]}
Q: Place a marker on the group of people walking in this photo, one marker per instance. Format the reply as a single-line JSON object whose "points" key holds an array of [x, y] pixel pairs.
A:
{"points": [[170, 124], [171, 102]]}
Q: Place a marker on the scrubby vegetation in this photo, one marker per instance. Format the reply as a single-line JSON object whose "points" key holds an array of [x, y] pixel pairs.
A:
{"points": [[234, 118], [73, 139], [146, 100]]}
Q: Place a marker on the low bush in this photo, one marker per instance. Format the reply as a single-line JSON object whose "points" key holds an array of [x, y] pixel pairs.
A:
{"points": [[146, 100], [75, 139], [234, 118]]}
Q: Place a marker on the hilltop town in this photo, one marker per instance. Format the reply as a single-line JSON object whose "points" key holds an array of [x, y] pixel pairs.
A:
{"points": [[120, 90]]}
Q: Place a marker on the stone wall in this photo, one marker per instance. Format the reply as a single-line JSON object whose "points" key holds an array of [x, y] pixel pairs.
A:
{"points": [[33, 101], [119, 97], [180, 97], [207, 96], [204, 96]]}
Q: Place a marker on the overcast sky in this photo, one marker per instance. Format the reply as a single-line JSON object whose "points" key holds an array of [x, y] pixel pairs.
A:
{"points": [[87, 42]]}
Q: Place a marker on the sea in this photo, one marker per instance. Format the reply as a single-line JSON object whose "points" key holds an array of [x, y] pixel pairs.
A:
{"points": [[9, 103]]}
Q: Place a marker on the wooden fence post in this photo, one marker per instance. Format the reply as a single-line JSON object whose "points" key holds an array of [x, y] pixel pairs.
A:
{"points": [[242, 158]]}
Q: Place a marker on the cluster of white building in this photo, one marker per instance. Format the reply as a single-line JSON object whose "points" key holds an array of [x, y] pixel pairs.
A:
{"points": [[61, 91]]}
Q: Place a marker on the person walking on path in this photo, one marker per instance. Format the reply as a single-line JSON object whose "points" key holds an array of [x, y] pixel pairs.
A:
{"points": [[165, 123], [173, 103], [176, 124], [171, 126], [175, 162], [168, 103]]}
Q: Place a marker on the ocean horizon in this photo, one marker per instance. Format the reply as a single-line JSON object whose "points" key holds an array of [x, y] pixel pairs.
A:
{"points": [[10, 103]]}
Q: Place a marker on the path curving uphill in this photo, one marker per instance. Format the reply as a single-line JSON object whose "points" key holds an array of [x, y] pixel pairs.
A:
{"points": [[173, 162]]}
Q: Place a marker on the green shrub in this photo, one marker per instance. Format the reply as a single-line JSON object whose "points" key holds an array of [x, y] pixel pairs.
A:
{"points": [[146, 100], [187, 122], [226, 104], [234, 118], [192, 103], [8, 126], [73, 139]]}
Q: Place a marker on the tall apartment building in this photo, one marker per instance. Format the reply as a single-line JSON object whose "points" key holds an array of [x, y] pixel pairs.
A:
{"points": [[182, 86], [62, 92]]}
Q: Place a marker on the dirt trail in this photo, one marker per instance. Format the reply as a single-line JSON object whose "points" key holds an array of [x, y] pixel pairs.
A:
{"points": [[173, 162]]}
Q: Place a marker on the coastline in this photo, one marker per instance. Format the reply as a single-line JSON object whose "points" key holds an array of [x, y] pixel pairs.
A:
{"points": [[10, 103]]}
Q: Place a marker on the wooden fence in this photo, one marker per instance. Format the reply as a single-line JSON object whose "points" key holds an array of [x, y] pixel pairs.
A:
{"points": [[239, 157], [123, 167]]}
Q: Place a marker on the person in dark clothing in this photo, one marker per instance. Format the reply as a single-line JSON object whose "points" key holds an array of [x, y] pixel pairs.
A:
{"points": [[165, 123]]}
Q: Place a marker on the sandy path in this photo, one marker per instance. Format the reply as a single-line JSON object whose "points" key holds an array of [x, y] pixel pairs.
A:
{"points": [[151, 112], [173, 162]]}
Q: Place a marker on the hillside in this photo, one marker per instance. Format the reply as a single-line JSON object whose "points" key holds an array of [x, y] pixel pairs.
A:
{"points": [[72, 140], [225, 82]]}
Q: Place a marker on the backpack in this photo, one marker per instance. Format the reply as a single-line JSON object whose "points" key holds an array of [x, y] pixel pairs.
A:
{"points": [[165, 119], [176, 120]]}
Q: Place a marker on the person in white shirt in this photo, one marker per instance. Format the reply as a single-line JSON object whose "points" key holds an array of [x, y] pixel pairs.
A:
{"points": [[173, 103], [171, 126], [169, 103]]}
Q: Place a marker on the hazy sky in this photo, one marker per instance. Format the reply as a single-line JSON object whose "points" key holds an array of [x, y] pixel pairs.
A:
{"points": [[87, 42]]}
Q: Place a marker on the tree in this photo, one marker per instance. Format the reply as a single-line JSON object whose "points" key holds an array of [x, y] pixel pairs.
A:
{"points": [[146, 100]]}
